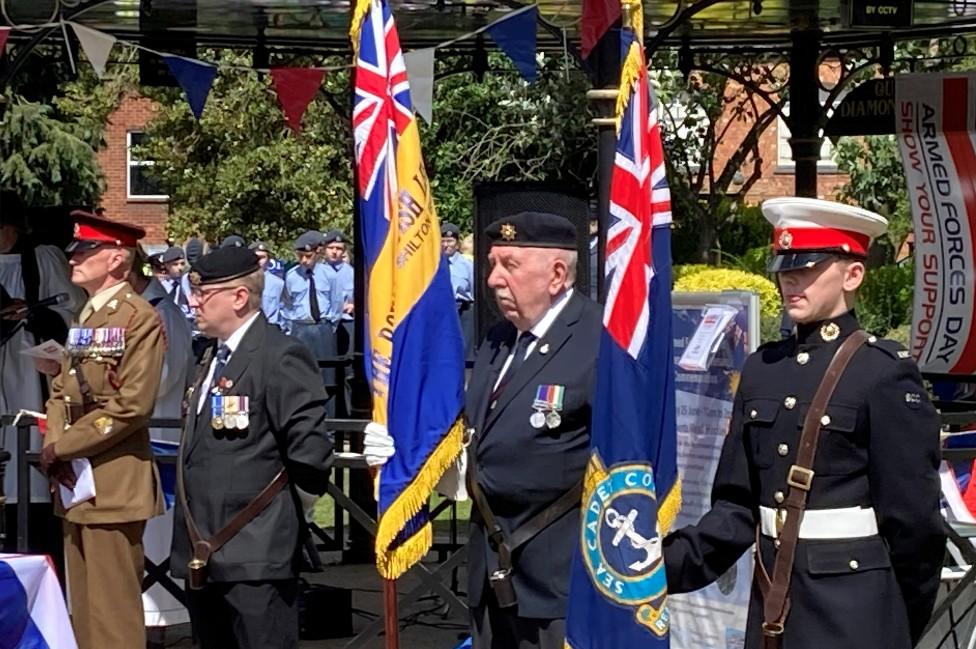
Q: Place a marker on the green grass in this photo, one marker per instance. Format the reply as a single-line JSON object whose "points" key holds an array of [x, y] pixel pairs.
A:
{"points": [[324, 515]]}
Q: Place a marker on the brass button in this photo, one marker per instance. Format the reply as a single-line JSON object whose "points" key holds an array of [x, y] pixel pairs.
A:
{"points": [[782, 449], [825, 420], [753, 414], [776, 543], [803, 358], [72, 371], [854, 564], [67, 398], [789, 402], [779, 497]]}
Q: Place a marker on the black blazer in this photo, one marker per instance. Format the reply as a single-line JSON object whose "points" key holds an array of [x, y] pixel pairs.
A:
{"points": [[224, 470], [523, 469]]}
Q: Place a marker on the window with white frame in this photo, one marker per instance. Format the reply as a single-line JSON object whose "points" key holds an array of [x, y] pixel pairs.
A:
{"points": [[784, 153], [140, 185]]}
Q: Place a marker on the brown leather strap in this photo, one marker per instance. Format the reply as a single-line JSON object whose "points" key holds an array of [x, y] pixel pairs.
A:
{"points": [[775, 590], [507, 544]]}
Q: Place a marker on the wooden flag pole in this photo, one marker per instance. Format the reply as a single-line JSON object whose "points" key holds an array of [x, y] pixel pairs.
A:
{"points": [[392, 621]]}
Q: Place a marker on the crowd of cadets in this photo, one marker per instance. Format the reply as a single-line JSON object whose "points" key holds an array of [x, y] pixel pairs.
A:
{"points": [[311, 298]]}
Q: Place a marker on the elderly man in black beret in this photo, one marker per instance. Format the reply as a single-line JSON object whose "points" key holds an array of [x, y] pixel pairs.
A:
{"points": [[254, 433], [528, 406]]}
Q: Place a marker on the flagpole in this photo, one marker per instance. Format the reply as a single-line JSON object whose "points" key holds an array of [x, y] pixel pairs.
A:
{"points": [[391, 623]]}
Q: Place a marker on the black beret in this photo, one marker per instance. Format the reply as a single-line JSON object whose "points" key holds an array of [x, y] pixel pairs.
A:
{"points": [[233, 241], [450, 230], [533, 230], [308, 241], [222, 265], [334, 236], [194, 249], [173, 253]]}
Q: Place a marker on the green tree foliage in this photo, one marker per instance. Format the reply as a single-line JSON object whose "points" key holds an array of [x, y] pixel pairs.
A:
{"points": [[241, 170], [503, 129]]}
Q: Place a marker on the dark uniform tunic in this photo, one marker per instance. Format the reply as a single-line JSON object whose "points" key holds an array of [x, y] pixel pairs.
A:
{"points": [[880, 449]]}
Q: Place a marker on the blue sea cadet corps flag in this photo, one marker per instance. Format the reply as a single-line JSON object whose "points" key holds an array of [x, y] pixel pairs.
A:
{"points": [[618, 593], [415, 354]]}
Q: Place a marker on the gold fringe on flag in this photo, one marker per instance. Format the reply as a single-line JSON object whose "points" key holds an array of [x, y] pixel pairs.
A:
{"points": [[393, 562]]}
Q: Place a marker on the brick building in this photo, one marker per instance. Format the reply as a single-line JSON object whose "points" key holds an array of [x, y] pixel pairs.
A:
{"points": [[129, 194]]}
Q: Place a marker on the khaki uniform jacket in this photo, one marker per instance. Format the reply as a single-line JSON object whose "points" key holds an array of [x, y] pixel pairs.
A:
{"points": [[114, 435]]}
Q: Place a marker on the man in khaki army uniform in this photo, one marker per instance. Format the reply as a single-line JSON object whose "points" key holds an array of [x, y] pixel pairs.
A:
{"points": [[99, 409]]}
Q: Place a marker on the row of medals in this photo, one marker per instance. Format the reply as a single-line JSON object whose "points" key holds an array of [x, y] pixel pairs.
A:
{"points": [[540, 418], [102, 340], [229, 412]]}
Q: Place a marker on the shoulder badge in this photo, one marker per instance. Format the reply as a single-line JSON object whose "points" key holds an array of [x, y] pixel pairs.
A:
{"points": [[621, 540], [103, 425]]}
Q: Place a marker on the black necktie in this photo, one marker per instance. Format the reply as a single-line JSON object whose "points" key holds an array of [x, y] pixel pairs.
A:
{"points": [[223, 353], [521, 347], [313, 298]]}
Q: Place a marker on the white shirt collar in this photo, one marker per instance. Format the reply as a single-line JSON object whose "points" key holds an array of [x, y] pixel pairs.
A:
{"points": [[542, 326], [234, 340]]}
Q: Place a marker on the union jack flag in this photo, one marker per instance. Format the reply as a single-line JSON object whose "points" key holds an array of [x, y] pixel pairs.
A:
{"points": [[639, 201], [382, 105]]}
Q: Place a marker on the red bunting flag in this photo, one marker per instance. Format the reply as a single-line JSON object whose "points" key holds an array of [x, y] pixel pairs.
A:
{"points": [[296, 88], [597, 17], [4, 35]]}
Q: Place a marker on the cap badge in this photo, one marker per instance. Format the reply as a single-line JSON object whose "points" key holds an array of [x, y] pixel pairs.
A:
{"points": [[508, 232], [194, 278], [785, 239], [829, 332]]}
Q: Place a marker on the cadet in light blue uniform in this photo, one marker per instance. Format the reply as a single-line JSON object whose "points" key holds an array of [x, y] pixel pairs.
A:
{"points": [[342, 283], [462, 281], [273, 285], [175, 282], [306, 306]]}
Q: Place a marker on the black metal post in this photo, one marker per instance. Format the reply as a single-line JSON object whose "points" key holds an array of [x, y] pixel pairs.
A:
{"points": [[603, 66], [23, 485], [805, 109]]}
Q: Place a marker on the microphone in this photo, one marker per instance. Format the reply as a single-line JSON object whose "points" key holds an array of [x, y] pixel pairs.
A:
{"points": [[53, 300]]}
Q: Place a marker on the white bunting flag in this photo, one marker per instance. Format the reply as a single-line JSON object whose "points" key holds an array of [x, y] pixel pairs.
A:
{"points": [[420, 71], [97, 46]]}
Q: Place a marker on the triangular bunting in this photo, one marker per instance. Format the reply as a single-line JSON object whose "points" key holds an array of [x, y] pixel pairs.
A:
{"points": [[515, 35], [296, 88], [4, 35], [195, 78], [96, 45], [597, 17], [420, 72]]}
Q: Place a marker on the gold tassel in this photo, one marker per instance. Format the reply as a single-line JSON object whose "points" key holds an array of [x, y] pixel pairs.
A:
{"points": [[355, 27], [629, 74]]}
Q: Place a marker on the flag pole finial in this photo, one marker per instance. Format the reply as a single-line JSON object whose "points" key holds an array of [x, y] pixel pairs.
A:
{"points": [[632, 15]]}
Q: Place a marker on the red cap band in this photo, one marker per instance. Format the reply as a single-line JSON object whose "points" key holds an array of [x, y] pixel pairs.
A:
{"points": [[89, 227], [801, 239]]}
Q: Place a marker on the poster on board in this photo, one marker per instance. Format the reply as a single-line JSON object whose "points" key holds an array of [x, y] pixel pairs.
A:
{"points": [[714, 617]]}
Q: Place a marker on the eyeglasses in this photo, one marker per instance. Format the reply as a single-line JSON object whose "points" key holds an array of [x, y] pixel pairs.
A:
{"points": [[204, 294]]}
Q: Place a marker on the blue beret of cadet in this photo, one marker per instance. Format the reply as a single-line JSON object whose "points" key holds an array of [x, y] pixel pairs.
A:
{"points": [[308, 241]]}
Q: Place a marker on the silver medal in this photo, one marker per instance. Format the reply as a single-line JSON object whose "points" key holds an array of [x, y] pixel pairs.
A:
{"points": [[553, 419], [538, 420], [242, 420]]}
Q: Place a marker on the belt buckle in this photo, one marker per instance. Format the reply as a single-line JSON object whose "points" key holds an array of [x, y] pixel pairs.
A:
{"points": [[800, 477], [772, 628]]}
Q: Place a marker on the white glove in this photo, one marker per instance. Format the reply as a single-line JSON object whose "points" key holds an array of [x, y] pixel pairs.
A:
{"points": [[377, 444]]}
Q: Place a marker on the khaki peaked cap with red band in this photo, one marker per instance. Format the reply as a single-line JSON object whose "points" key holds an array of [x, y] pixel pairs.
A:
{"points": [[807, 231], [92, 231]]}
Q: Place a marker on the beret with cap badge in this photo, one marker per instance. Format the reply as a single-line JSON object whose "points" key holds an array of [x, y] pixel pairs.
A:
{"points": [[533, 230], [222, 265]]}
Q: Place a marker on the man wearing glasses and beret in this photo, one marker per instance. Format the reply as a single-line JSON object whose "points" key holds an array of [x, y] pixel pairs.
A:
{"points": [[254, 434]]}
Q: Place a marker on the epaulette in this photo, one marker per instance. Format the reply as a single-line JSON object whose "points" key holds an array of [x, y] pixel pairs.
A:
{"points": [[891, 348]]}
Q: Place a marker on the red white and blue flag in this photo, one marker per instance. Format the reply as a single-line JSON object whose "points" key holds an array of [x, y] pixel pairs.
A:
{"points": [[618, 595], [413, 338], [32, 610]]}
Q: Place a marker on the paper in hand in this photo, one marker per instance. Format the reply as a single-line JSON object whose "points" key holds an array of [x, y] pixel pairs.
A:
{"points": [[50, 350], [84, 485]]}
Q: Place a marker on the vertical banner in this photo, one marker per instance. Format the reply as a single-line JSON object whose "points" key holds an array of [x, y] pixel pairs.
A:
{"points": [[713, 617], [935, 123]]}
